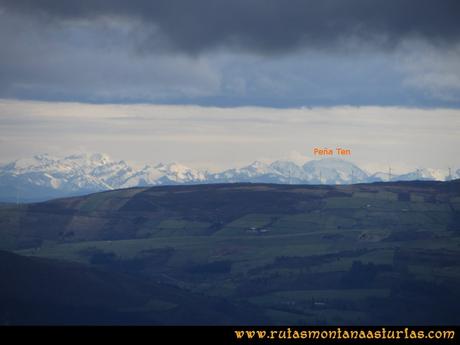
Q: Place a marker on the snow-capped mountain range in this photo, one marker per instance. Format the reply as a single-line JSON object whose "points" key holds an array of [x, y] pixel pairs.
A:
{"points": [[43, 176]]}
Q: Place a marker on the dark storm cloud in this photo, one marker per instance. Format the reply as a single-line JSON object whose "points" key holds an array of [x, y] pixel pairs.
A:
{"points": [[265, 26]]}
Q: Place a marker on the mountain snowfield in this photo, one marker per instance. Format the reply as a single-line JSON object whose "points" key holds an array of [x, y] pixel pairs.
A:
{"points": [[43, 176]]}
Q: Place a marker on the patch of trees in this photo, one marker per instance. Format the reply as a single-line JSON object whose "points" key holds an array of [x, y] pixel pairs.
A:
{"points": [[150, 259], [336, 193], [313, 260], [454, 224], [403, 196], [362, 275], [215, 267], [408, 235], [98, 256], [418, 302]]}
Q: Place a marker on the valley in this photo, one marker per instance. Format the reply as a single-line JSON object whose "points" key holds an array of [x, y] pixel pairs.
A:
{"points": [[381, 253]]}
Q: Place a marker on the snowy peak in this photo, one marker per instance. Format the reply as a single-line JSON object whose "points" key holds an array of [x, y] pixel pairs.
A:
{"points": [[44, 176], [256, 167], [179, 173], [426, 174], [331, 164], [47, 175], [284, 166], [379, 177], [250, 173], [34, 163], [334, 171], [86, 158]]}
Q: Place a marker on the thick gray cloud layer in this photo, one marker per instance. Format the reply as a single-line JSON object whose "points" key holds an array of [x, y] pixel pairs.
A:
{"points": [[283, 53], [265, 26]]}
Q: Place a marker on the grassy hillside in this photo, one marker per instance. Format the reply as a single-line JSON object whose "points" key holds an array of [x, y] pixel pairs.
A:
{"points": [[370, 253], [43, 291]]}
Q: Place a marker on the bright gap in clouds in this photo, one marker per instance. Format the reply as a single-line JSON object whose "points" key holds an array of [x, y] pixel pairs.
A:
{"points": [[218, 138]]}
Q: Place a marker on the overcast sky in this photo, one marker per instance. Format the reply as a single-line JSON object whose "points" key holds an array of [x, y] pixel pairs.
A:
{"points": [[215, 138], [394, 63]]}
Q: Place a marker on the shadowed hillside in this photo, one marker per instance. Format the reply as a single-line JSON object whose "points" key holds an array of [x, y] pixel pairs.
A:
{"points": [[44, 291], [368, 253]]}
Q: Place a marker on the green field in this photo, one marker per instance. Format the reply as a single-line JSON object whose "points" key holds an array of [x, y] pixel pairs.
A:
{"points": [[294, 254]]}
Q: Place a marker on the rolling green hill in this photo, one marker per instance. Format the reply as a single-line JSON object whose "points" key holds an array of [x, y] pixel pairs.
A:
{"points": [[37, 291], [356, 254]]}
